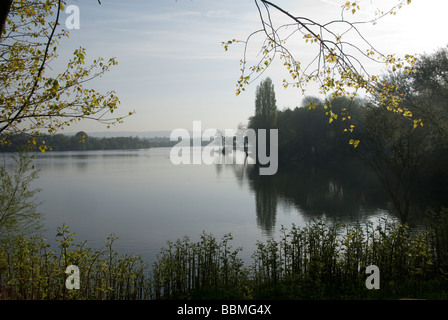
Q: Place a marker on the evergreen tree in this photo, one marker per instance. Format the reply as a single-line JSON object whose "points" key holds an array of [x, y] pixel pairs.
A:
{"points": [[265, 107]]}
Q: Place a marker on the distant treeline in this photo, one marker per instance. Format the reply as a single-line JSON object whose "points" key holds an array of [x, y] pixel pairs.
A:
{"points": [[82, 141]]}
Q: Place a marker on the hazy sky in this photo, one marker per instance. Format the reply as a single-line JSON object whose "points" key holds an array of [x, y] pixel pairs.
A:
{"points": [[173, 69]]}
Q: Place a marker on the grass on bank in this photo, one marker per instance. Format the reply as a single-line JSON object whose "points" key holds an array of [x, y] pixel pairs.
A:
{"points": [[321, 260]]}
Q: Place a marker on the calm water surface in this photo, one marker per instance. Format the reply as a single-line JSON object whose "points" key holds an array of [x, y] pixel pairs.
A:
{"points": [[141, 197]]}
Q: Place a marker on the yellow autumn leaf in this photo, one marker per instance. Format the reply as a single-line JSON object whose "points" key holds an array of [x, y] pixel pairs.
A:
{"points": [[353, 142]]}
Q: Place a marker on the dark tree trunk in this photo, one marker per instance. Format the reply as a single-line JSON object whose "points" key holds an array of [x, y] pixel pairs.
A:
{"points": [[5, 5]]}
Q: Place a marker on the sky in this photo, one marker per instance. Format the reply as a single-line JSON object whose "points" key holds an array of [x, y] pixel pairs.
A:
{"points": [[173, 70]]}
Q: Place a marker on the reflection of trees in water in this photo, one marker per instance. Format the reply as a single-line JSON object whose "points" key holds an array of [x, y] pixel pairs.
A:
{"points": [[239, 164], [266, 200], [346, 193], [263, 186], [343, 193]]}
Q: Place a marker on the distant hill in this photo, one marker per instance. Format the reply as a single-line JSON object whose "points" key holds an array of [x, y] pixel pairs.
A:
{"points": [[139, 134]]}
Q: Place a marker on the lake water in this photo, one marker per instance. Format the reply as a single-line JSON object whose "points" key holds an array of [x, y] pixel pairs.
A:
{"points": [[146, 200]]}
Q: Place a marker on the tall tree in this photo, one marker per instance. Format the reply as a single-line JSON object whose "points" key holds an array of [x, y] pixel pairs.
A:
{"points": [[265, 106], [399, 155], [265, 116], [426, 92], [406, 155]]}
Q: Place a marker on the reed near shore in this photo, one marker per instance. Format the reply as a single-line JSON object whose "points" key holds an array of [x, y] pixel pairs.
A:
{"points": [[322, 260]]}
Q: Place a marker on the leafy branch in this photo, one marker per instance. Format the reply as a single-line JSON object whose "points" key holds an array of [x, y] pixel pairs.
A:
{"points": [[340, 53], [33, 102]]}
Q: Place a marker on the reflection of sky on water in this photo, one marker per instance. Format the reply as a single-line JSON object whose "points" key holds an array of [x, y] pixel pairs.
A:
{"points": [[143, 198]]}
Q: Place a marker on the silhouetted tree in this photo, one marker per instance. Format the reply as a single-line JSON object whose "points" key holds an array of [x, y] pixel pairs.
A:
{"points": [[406, 155], [265, 116]]}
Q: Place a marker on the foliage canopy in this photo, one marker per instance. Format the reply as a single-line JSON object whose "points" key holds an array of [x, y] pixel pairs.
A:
{"points": [[34, 97]]}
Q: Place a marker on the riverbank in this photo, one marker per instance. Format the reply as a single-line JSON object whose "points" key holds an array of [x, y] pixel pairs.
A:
{"points": [[319, 261]]}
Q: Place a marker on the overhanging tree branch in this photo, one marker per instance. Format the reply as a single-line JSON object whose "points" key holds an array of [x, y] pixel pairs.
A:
{"points": [[33, 102], [338, 64], [39, 72]]}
